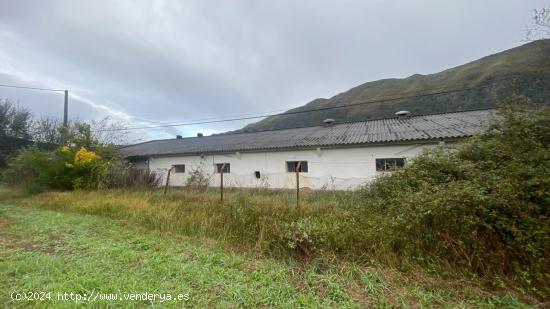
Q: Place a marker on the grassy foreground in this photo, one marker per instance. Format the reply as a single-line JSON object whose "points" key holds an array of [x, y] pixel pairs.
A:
{"points": [[51, 243]]}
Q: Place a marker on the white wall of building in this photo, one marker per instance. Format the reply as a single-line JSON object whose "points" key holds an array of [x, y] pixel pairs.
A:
{"points": [[329, 168]]}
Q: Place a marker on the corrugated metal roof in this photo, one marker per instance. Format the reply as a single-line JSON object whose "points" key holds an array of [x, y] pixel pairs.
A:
{"points": [[421, 127]]}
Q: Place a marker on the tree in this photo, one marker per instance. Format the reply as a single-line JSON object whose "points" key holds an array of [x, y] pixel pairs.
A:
{"points": [[14, 129], [48, 130], [101, 136], [18, 129], [14, 121], [540, 30], [45, 130]]}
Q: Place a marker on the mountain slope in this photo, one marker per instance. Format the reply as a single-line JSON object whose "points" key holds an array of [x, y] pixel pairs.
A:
{"points": [[522, 70]]}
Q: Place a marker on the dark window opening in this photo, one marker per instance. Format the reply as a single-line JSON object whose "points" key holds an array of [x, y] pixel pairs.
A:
{"points": [[257, 174], [292, 165], [179, 168], [389, 164], [226, 167]]}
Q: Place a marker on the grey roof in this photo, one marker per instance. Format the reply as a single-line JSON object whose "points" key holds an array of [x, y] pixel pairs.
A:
{"points": [[413, 128]]}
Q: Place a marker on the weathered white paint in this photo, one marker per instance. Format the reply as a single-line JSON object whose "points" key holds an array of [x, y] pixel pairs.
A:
{"points": [[330, 168]]}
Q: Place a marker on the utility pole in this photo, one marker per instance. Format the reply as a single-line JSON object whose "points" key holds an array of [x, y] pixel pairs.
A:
{"points": [[66, 110]]}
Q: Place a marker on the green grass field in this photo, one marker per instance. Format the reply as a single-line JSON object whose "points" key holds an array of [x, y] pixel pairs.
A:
{"points": [[65, 252]]}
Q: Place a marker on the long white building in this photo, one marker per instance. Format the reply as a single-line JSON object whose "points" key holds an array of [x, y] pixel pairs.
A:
{"points": [[331, 155]]}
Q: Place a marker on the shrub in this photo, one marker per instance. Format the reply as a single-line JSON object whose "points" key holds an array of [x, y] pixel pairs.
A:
{"points": [[197, 179], [25, 168], [121, 174], [62, 169], [483, 206]]}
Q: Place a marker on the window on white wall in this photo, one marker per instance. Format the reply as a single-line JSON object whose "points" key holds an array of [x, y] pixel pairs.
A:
{"points": [[226, 168], [179, 168], [387, 164], [291, 166]]}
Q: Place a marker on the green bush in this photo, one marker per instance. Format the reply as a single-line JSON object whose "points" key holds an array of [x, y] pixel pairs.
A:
{"points": [[483, 206], [62, 169]]}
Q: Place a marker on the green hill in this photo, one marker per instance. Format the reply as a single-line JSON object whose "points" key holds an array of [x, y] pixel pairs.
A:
{"points": [[522, 70]]}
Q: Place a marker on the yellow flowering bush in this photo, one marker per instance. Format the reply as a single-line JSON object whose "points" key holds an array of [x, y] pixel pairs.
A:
{"points": [[84, 156], [73, 168], [81, 163]]}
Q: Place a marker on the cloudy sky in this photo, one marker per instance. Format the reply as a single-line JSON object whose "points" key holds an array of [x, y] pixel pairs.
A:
{"points": [[153, 61]]}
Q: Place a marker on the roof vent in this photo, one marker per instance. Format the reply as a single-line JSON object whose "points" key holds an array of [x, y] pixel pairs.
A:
{"points": [[403, 114], [328, 122], [200, 135], [178, 137]]}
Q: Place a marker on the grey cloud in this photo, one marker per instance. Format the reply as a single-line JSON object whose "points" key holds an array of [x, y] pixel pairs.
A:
{"points": [[174, 60]]}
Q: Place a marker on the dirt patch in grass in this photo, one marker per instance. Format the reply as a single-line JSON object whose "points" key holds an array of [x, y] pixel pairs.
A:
{"points": [[57, 238], [322, 289], [4, 224], [359, 295], [208, 242], [35, 247], [189, 255], [52, 247], [250, 265]]}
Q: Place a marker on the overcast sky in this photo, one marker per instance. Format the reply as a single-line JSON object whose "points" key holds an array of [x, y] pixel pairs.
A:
{"points": [[148, 62]]}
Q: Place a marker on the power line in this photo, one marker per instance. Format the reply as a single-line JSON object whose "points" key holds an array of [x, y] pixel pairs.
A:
{"points": [[211, 118], [66, 102], [267, 113], [298, 112], [32, 88]]}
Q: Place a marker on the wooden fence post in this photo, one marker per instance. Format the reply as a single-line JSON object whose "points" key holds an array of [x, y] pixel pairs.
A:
{"points": [[297, 168], [221, 183], [168, 179]]}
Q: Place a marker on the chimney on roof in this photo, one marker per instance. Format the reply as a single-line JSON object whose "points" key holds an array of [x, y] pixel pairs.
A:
{"points": [[402, 114], [328, 122], [200, 135], [178, 137]]}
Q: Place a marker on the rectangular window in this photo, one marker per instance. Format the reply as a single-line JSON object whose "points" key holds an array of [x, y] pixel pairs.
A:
{"points": [[179, 168], [226, 168], [389, 163], [292, 165]]}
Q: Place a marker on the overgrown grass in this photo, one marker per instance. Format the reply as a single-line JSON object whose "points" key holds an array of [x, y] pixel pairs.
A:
{"points": [[247, 218], [50, 251], [268, 225]]}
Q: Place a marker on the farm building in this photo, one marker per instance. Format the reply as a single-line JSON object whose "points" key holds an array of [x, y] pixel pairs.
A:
{"points": [[331, 155]]}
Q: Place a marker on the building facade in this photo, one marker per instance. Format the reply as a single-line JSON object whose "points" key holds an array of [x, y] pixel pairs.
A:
{"points": [[332, 156]]}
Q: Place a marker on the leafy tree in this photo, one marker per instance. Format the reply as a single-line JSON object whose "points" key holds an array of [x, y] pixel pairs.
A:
{"points": [[14, 129], [46, 130], [14, 121]]}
